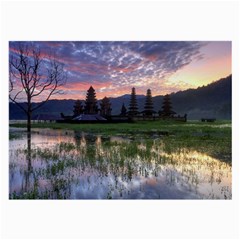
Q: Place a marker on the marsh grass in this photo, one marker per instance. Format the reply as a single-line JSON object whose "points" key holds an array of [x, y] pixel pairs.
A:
{"points": [[13, 136], [150, 127], [145, 150]]}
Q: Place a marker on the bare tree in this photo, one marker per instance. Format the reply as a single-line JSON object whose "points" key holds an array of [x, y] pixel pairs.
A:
{"points": [[31, 76]]}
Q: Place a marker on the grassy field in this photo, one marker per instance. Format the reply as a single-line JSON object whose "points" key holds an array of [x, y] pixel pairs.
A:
{"points": [[212, 138], [140, 127], [193, 149]]}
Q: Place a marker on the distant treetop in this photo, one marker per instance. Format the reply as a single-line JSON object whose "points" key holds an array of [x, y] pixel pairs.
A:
{"points": [[91, 102], [133, 106], [148, 107]]}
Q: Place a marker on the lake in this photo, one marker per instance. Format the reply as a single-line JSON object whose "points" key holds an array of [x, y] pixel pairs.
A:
{"points": [[65, 164]]}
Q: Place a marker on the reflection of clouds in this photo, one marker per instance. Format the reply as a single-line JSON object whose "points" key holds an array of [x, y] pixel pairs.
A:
{"points": [[117, 167], [142, 147], [83, 142], [119, 139], [208, 173], [184, 175]]}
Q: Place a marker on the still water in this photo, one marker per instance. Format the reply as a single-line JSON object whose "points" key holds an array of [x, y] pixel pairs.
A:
{"points": [[62, 164]]}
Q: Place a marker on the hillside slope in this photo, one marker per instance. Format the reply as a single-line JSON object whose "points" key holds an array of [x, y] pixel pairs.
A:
{"points": [[211, 101]]}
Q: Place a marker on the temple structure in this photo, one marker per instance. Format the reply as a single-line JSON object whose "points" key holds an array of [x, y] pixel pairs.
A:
{"points": [[91, 113], [166, 107], [91, 102], [105, 107], [77, 108], [148, 107], [133, 106], [123, 110]]}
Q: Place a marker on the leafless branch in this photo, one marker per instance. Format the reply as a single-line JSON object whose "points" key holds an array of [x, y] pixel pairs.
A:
{"points": [[19, 105], [27, 68]]}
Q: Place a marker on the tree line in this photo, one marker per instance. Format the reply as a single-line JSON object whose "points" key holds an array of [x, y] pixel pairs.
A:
{"points": [[90, 106], [32, 75]]}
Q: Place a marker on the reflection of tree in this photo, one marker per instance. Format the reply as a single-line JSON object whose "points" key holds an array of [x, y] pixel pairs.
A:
{"points": [[81, 143], [116, 167], [99, 149], [29, 170]]}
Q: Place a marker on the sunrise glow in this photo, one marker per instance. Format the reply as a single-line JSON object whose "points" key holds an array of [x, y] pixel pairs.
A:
{"points": [[113, 68]]}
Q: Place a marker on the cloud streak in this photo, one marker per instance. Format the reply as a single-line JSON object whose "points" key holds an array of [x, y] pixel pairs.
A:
{"points": [[113, 66]]}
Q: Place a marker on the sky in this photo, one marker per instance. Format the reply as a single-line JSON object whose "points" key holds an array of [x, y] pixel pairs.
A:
{"points": [[113, 68]]}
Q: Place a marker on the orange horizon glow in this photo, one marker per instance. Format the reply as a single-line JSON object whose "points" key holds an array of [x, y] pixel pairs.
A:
{"points": [[171, 67]]}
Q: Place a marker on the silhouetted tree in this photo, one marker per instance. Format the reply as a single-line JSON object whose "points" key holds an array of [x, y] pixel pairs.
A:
{"points": [[32, 76], [123, 110], [166, 107], [105, 107], [91, 102], [148, 107], [77, 108], [133, 107]]}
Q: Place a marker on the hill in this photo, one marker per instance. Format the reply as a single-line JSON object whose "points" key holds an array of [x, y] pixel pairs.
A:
{"points": [[211, 101]]}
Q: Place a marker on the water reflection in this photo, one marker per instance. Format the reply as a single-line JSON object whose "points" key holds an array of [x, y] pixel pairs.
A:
{"points": [[84, 166]]}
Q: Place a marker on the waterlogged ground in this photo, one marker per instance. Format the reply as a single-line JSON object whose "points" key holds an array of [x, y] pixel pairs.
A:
{"points": [[65, 164]]}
